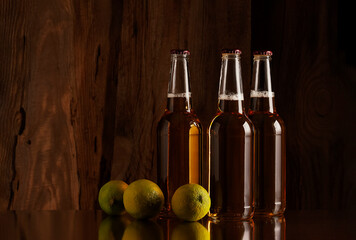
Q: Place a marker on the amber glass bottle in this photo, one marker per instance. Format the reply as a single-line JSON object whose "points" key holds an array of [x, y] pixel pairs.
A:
{"points": [[231, 147], [179, 134], [270, 155]]}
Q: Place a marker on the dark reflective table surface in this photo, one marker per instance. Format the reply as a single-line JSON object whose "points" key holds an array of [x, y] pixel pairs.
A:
{"points": [[96, 225]]}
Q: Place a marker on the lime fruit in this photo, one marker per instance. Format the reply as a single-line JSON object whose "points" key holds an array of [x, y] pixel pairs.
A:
{"points": [[111, 197], [190, 231], [143, 199], [143, 230], [191, 202]]}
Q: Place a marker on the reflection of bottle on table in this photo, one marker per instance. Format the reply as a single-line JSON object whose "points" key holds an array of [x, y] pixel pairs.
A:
{"points": [[270, 228], [237, 230]]}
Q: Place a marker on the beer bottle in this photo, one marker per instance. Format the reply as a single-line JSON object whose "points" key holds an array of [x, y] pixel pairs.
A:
{"points": [[270, 153], [179, 134], [231, 147]]}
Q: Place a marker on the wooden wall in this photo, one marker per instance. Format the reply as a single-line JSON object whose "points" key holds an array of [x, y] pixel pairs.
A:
{"points": [[83, 85]]}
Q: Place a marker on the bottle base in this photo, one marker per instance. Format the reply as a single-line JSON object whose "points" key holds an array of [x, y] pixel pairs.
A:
{"points": [[217, 217], [269, 213]]}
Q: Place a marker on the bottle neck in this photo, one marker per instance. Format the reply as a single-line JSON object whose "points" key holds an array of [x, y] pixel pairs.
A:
{"points": [[230, 89], [179, 95], [262, 95], [179, 104]]}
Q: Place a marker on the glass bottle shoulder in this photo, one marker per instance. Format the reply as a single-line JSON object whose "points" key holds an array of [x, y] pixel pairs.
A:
{"points": [[266, 120], [173, 119], [228, 121]]}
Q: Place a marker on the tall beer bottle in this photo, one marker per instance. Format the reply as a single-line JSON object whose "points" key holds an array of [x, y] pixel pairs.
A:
{"points": [[270, 153], [179, 134], [231, 147]]}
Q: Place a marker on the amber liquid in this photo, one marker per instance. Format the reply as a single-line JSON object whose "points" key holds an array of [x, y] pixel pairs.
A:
{"points": [[179, 149], [270, 157], [231, 163]]}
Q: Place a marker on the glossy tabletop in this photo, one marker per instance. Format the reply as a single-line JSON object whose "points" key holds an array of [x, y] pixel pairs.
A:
{"points": [[96, 225]]}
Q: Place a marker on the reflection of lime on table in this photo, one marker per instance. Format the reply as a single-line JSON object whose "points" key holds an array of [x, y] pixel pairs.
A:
{"points": [[143, 230], [190, 231], [112, 227]]}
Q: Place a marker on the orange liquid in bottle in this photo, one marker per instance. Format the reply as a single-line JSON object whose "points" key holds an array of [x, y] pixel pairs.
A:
{"points": [[231, 164], [270, 158], [179, 149]]}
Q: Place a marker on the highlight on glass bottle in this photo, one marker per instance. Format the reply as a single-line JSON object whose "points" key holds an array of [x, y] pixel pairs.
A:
{"points": [[179, 134], [231, 147], [270, 153]]}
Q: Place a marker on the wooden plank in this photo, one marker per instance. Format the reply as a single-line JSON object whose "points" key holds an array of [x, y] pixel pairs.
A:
{"points": [[45, 155], [59, 89], [94, 91], [13, 74]]}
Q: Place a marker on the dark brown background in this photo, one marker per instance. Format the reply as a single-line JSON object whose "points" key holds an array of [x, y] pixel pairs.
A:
{"points": [[83, 85]]}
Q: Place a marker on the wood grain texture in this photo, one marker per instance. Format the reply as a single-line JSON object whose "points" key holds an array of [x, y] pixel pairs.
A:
{"points": [[83, 85], [315, 95], [55, 83], [14, 72]]}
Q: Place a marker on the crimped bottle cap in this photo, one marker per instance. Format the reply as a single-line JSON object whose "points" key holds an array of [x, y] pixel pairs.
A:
{"points": [[231, 51], [180, 51], [263, 53]]}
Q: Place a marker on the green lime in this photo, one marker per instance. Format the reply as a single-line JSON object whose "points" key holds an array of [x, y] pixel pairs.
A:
{"points": [[143, 199], [191, 202], [111, 197]]}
